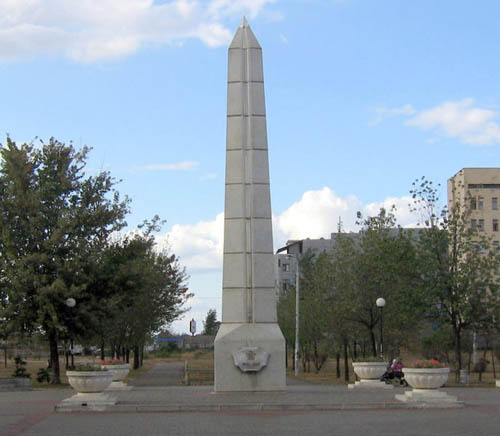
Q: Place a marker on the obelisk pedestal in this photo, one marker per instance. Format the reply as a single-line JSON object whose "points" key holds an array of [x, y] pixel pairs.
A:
{"points": [[249, 347]]}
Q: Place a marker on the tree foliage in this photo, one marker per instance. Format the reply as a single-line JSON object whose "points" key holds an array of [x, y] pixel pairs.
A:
{"points": [[56, 225], [52, 218], [458, 266], [210, 324]]}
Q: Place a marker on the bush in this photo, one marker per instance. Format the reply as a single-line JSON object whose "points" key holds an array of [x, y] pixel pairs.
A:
{"points": [[43, 375], [20, 370]]}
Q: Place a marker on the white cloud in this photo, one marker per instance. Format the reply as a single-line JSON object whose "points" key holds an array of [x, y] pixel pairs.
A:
{"points": [[461, 120], [382, 112], [283, 39], [453, 119], [208, 176], [95, 30], [404, 217], [187, 165], [315, 215], [199, 245], [220, 8]]}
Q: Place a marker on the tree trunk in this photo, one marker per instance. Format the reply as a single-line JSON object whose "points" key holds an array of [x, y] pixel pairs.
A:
{"points": [[136, 357], [355, 350], [66, 358], [346, 361], [374, 342], [493, 363], [337, 357], [127, 354], [141, 354], [54, 358], [458, 352], [102, 349]]}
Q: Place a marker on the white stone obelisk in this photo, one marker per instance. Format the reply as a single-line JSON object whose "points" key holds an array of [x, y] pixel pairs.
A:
{"points": [[249, 347]]}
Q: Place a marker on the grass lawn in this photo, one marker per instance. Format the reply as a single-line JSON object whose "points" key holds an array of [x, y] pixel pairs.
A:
{"points": [[201, 370], [201, 367], [33, 366]]}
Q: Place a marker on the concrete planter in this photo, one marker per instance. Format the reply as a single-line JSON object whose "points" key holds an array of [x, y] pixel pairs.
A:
{"points": [[119, 371], [369, 370], [426, 378], [89, 381]]}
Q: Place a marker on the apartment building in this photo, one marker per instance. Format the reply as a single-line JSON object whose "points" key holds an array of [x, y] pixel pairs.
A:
{"points": [[479, 190]]}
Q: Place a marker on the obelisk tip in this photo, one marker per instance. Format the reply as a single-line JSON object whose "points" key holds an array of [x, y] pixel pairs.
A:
{"points": [[244, 22]]}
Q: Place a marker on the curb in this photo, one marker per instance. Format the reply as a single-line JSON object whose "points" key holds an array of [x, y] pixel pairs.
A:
{"points": [[170, 408]]}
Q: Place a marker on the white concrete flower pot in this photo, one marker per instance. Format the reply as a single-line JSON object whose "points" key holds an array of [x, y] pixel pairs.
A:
{"points": [[369, 370], [426, 378], [119, 371], [89, 381]]}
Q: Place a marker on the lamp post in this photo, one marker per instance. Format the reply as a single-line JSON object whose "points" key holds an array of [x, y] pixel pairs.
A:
{"points": [[71, 302], [297, 293], [380, 304], [297, 319]]}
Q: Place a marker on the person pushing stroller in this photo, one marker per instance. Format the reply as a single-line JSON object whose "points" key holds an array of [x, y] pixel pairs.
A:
{"points": [[395, 372]]}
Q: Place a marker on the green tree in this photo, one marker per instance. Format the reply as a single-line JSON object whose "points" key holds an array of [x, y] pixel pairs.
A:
{"points": [[458, 267], [145, 289], [315, 292], [53, 218], [378, 263], [211, 325]]}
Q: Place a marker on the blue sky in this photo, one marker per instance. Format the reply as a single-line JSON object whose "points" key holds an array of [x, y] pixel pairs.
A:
{"points": [[362, 98]]}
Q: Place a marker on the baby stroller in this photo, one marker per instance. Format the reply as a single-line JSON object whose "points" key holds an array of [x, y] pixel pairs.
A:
{"points": [[394, 377]]}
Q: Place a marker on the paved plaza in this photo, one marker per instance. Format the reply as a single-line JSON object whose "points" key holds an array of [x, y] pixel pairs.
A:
{"points": [[304, 409]]}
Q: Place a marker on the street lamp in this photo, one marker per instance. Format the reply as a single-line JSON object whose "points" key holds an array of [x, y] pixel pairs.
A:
{"points": [[297, 295], [71, 302], [380, 304]]}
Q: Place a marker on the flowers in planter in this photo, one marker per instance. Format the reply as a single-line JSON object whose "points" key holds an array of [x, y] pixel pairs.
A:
{"points": [[112, 362], [433, 363]]}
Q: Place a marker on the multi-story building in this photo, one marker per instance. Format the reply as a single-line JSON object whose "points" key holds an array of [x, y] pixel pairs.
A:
{"points": [[478, 189], [286, 257]]}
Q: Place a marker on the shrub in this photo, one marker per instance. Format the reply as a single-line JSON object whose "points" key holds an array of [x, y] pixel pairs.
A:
{"points": [[20, 370], [43, 375]]}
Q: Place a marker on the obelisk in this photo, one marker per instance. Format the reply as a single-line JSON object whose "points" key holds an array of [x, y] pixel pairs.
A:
{"points": [[249, 347]]}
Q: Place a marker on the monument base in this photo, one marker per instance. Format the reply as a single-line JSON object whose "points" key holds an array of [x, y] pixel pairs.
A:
{"points": [[231, 338]]}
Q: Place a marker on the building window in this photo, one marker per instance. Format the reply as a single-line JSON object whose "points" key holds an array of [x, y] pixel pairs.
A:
{"points": [[286, 267], [473, 204], [495, 225], [481, 225], [496, 246], [473, 224], [494, 203], [480, 203]]}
